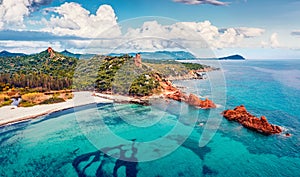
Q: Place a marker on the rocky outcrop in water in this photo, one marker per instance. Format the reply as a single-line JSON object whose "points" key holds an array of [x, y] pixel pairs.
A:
{"points": [[204, 104], [261, 125], [192, 100], [177, 96], [171, 92]]}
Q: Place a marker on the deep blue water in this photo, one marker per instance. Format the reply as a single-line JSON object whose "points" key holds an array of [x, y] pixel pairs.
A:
{"points": [[163, 139]]}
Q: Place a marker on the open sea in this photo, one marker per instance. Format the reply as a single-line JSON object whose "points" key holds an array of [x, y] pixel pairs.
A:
{"points": [[168, 139]]}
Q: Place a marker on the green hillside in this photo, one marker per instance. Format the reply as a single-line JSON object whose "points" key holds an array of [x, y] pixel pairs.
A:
{"points": [[118, 75], [37, 70]]}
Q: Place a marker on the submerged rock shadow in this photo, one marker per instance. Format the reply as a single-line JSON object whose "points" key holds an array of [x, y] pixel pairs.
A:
{"points": [[100, 156]]}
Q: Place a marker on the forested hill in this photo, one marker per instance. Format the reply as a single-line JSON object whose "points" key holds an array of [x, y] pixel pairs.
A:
{"points": [[49, 70]]}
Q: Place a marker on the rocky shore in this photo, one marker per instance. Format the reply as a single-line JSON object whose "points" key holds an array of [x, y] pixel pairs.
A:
{"points": [[193, 74], [261, 125], [172, 92], [168, 91]]}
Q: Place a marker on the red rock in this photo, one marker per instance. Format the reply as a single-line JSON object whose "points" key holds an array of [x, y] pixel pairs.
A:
{"points": [[195, 101], [263, 119], [138, 60], [170, 88], [207, 104], [177, 95], [261, 125], [192, 100], [240, 109], [51, 52]]}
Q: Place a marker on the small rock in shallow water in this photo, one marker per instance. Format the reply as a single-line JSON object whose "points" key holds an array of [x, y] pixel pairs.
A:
{"points": [[288, 134], [200, 124]]}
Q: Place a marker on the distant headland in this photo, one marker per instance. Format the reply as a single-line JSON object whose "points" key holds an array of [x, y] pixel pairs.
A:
{"points": [[233, 57]]}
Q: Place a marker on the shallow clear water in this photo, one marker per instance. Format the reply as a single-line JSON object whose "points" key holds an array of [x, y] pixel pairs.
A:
{"points": [[68, 143]]}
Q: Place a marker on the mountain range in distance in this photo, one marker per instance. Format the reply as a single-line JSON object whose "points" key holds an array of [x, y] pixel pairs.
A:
{"points": [[158, 55], [176, 55], [9, 54], [77, 55]]}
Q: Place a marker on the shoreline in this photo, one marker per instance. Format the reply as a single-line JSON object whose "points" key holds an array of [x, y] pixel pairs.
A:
{"points": [[10, 114]]}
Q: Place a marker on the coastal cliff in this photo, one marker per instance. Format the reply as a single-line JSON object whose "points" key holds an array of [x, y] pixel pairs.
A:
{"points": [[261, 125]]}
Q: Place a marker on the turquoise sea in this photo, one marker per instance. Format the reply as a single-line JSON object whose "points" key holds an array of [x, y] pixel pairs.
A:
{"points": [[163, 140]]}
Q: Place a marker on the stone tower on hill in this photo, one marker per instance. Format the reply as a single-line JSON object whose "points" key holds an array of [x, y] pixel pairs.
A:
{"points": [[51, 52], [138, 60]]}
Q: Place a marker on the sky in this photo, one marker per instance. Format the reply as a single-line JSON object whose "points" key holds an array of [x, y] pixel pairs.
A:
{"points": [[256, 29]]}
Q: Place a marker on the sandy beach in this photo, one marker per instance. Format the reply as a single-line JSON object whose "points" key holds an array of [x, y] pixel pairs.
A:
{"points": [[12, 114]]}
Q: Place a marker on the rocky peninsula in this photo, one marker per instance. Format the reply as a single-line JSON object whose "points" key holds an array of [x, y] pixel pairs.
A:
{"points": [[131, 80], [167, 91], [171, 92], [260, 125]]}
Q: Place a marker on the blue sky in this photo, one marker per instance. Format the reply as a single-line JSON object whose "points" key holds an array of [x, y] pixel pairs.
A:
{"points": [[258, 29]]}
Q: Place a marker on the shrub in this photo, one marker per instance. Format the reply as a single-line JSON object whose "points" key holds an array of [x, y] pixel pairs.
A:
{"points": [[56, 95], [6, 103], [53, 100], [26, 104], [33, 97], [3, 98], [69, 95]]}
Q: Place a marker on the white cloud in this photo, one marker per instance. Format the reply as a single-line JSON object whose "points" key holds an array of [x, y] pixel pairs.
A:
{"points": [[195, 2], [28, 47], [155, 36], [274, 43], [104, 32], [250, 32], [73, 19], [264, 44], [230, 38], [295, 33], [12, 12], [192, 34]]}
